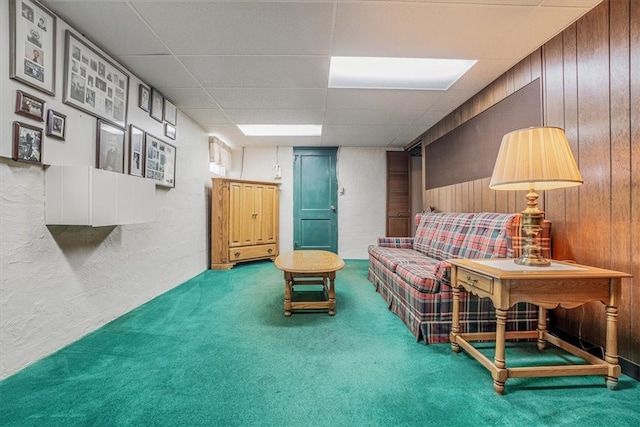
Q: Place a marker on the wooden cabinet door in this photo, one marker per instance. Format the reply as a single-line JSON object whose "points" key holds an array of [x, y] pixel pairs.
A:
{"points": [[398, 194], [267, 218]]}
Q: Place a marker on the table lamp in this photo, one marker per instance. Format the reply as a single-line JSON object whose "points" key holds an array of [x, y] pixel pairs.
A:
{"points": [[536, 158]]}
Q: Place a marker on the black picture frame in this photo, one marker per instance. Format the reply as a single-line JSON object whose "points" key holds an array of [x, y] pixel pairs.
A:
{"points": [[93, 83], [136, 151], [170, 112], [160, 161], [56, 125], [32, 56], [169, 131], [27, 143], [30, 106], [144, 97], [157, 105], [110, 145]]}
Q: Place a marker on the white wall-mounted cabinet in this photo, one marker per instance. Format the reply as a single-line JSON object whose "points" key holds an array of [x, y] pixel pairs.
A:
{"points": [[84, 195]]}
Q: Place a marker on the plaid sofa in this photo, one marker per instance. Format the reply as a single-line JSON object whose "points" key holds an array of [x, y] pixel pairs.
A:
{"points": [[412, 274]]}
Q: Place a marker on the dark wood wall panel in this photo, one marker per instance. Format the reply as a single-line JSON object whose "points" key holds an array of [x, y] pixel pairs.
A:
{"points": [[621, 155], [594, 155], [590, 76], [634, 102]]}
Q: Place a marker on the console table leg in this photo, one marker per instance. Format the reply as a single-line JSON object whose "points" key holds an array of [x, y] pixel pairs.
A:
{"points": [[611, 352], [455, 324], [500, 377], [542, 328]]}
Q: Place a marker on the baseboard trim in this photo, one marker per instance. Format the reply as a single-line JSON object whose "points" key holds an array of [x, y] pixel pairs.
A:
{"points": [[628, 367]]}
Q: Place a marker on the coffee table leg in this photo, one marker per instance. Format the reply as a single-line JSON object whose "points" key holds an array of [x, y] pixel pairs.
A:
{"points": [[542, 328], [288, 283], [332, 294]]}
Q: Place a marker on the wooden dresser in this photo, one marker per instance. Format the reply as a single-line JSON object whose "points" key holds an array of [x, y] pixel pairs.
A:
{"points": [[244, 221]]}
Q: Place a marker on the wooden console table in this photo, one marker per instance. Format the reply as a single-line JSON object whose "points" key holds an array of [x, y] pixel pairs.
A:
{"points": [[561, 284]]}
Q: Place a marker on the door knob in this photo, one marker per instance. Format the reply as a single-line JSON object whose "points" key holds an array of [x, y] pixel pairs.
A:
{"points": [[333, 208]]}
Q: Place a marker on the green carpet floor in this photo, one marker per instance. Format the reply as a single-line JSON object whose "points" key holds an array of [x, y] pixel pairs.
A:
{"points": [[218, 351]]}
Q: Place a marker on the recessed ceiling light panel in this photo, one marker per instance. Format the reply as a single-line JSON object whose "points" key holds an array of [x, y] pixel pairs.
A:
{"points": [[396, 73], [281, 130]]}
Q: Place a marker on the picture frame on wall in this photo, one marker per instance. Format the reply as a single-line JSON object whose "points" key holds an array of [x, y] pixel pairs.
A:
{"points": [[169, 131], [56, 125], [170, 112], [32, 56], [110, 147], [160, 161], [27, 143], [136, 151], [93, 83], [30, 106], [157, 105], [144, 97]]}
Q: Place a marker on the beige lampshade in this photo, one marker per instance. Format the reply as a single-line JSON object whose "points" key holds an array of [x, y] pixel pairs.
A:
{"points": [[536, 157]]}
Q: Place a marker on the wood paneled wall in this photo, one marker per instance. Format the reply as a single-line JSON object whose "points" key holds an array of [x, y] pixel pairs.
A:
{"points": [[591, 87]]}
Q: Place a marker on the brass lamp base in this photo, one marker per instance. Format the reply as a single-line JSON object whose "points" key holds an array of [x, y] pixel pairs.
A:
{"points": [[532, 218]]}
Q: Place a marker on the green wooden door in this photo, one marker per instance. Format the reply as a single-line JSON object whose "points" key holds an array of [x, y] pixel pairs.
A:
{"points": [[315, 199]]}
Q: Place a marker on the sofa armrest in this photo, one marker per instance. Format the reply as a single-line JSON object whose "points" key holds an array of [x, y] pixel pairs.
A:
{"points": [[443, 271], [396, 242]]}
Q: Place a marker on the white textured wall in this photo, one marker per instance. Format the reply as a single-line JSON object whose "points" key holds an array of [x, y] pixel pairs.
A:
{"points": [[361, 210], [59, 283]]}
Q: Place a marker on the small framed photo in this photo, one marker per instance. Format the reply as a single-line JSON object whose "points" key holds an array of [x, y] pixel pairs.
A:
{"points": [[27, 143], [157, 104], [30, 106], [110, 147], [32, 29], [160, 162], [136, 151], [169, 131], [56, 125], [170, 112], [144, 95]]}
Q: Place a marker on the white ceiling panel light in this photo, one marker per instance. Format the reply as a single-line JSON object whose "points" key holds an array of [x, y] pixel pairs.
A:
{"points": [[281, 130], [396, 73]]}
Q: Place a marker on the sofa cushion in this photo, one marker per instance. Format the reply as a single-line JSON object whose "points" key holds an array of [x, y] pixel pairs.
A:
{"points": [[420, 277], [392, 257], [487, 236], [440, 235]]}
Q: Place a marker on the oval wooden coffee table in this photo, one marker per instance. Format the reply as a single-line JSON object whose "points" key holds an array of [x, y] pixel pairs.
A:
{"points": [[309, 268]]}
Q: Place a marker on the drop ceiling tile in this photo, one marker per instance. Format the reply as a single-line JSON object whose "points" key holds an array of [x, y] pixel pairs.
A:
{"points": [[112, 25], [259, 71], [370, 116], [388, 131], [276, 116], [413, 29], [541, 25], [354, 141], [223, 28], [164, 70], [285, 98], [382, 99], [207, 116], [188, 97]]}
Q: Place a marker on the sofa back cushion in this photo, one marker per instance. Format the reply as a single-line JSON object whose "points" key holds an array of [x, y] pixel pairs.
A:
{"points": [[487, 236], [440, 235]]}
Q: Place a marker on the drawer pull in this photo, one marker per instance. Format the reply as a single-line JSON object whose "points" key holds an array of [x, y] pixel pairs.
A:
{"points": [[237, 254], [472, 282], [269, 250]]}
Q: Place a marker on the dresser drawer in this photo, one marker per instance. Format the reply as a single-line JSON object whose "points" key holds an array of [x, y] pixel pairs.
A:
{"points": [[475, 280], [249, 252]]}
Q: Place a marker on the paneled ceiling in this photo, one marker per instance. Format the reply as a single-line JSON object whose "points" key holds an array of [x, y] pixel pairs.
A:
{"points": [[230, 62]]}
